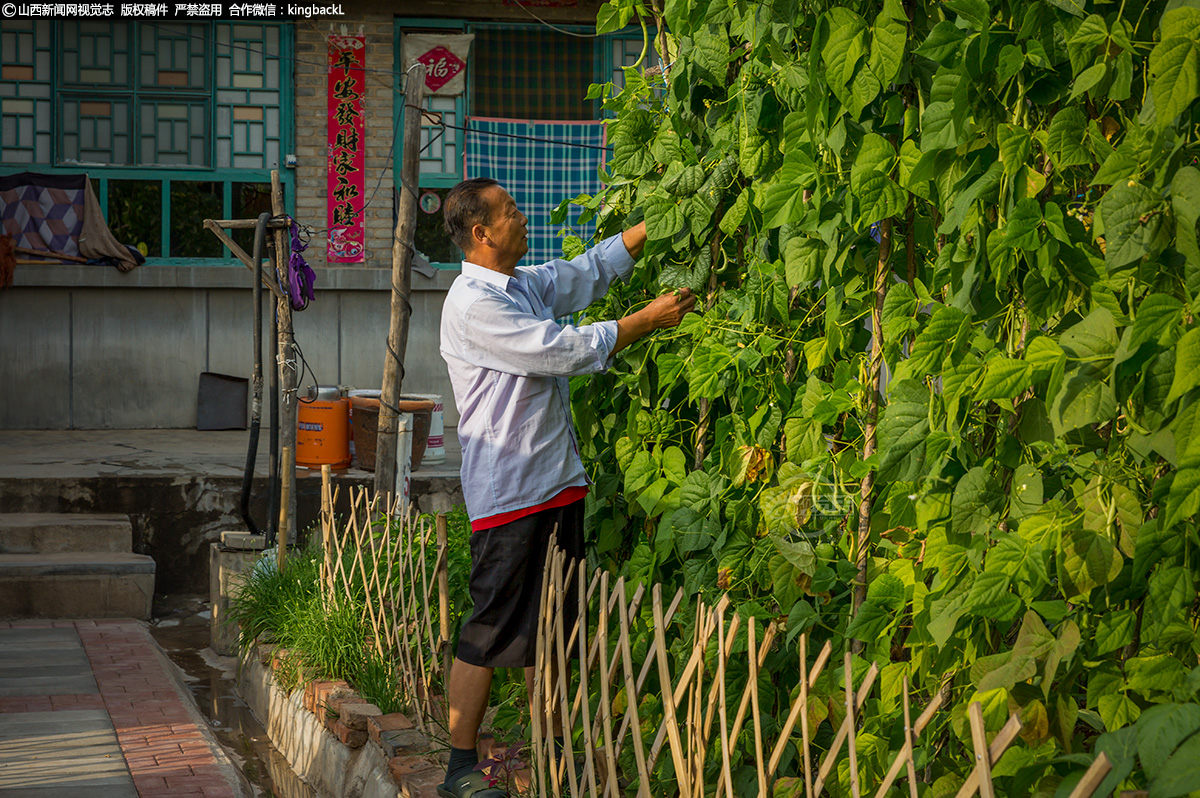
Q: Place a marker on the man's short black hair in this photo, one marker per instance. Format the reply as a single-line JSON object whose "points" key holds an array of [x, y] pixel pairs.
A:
{"points": [[466, 207]]}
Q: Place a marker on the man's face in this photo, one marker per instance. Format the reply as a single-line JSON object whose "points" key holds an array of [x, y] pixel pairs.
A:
{"points": [[506, 228]]}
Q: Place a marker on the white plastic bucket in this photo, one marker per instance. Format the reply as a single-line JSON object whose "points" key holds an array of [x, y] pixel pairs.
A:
{"points": [[435, 449]]}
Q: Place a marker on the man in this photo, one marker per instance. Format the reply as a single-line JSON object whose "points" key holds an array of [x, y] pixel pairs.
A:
{"points": [[522, 478]]}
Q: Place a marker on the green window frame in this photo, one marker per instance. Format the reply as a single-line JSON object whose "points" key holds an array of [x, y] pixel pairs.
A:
{"points": [[609, 53], [185, 116]]}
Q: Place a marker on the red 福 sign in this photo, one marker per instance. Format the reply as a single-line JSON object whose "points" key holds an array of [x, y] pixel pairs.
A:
{"points": [[347, 149]]}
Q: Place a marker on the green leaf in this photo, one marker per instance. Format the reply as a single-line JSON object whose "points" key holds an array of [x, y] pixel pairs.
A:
{"points": [[1160, 730], [973, 11], [1133, 224], [1118, 711], [1092, 339], [1084, 399], [929, 349], [1021, 228], [943, 41], [1157, 315], [1114, 631], [943, 127], [903, 427], [990, 596], [1185, 202], [610, 18], [709, 361], [664, 219], [1004, 378], [797, 552], [869, 623], [1073, 7], [847, 34], [1015, 143], [1088, 80], [1067, 138], [1026, 491], [640, 472], [630, 138], [977, 497], [1012, 59], [887, 590], [1159, 673], [1171, 590], [785, 195], [875, 155], [1086, 561], [1175, 65], [1187, 365], [879, 198], [1180, 774], [736, 213], [888, 37], [802, 260]]}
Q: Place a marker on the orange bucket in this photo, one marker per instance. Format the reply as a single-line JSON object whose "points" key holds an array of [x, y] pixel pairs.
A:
{"points": [[323, 434]]}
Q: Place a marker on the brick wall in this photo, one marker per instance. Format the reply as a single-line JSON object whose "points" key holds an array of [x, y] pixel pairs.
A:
{"points": [[312, 128]]}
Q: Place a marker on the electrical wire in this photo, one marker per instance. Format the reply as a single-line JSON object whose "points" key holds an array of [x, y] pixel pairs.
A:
{"points": [[563, 31]]}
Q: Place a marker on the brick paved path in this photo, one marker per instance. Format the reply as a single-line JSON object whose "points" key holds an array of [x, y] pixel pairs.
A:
{"points": [[88, 709]]}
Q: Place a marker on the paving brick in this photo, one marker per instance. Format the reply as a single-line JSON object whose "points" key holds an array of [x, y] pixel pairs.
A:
{"points": [[403, 742], [355, 714], [354, 738], [394, 721], [421, 783]]}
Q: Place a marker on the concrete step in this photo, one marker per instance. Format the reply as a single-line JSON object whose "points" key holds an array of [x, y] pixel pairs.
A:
{"points": [[49, 533], [76, 585]]}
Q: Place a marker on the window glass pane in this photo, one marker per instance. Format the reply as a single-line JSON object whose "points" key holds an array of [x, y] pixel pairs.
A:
{"points": [[174, 132], [95, 130], [172, 56], [135, 214], [439, 146], [249, 200], [430, 237], [531, 73], [191, 204], [95, 53]]}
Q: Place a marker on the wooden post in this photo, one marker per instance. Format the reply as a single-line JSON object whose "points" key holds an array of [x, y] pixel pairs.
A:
{"points": [[288, 376], [402, 249], [443, 582], [284, 497]]}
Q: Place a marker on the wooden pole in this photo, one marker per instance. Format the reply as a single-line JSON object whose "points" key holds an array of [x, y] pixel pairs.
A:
{"points": [[443, 580], [285, 497], [402, 241], [288, 377]]}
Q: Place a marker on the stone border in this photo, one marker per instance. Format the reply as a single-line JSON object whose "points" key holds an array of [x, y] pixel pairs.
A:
{"points": [[353, 751]]}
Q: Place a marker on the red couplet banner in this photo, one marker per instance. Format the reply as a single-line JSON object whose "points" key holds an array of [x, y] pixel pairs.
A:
{"points": [[347, 149]]}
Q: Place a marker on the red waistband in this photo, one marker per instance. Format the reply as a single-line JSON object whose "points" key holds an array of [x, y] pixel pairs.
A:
{"points": [[562, 499]]}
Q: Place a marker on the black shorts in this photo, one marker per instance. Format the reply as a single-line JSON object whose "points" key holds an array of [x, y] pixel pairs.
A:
{"points": [[506, 586]]}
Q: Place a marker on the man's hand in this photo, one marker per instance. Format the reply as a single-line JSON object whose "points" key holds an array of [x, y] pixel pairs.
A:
{"points": [[666, 311]]}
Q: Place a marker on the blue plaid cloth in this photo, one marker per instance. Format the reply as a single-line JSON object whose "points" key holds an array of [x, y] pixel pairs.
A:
{"points": [[538, 174]]}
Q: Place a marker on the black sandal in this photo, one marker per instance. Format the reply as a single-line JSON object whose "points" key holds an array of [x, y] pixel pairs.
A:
{"points": [[471, 785]]}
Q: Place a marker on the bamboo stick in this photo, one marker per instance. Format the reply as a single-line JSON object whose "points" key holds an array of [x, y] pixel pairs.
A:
{"points": [[326, 520], [852, 737], [610, 761], [285, 498], [639, 752], [581, 623], [804, 738], [443, 580], [844, 730], [758, 752], [730, 636], [726, 778], [910, 741], [536, 710], [768, 638], [906, 758], [670, 723], [995, 750], [983, 764], [568, 753], [1095, 774], [685, 682], [615, 662], [801, 703]]}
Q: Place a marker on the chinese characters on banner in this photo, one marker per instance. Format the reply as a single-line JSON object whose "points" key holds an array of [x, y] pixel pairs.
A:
{"points": [[347, 158], [444, 57]]}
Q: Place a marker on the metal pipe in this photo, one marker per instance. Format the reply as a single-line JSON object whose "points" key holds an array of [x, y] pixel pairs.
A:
{"points": [[273, 474]]}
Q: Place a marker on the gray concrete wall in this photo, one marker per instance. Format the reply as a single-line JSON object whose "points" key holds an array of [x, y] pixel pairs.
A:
{"points": [[89, 347]]}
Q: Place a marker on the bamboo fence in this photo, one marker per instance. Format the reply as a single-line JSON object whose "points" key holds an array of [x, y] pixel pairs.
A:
{"points": [[699, 711], [694, 724], [382, 557]]}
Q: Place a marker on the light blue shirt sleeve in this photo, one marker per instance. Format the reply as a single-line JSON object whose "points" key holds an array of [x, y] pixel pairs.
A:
{"points": [[569, 286], [504, 338]]}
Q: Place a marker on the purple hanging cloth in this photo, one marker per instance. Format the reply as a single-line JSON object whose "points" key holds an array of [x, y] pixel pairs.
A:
{"points": [[300, 276]]}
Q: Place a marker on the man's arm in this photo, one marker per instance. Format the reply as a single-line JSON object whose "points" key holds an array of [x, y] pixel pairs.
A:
{"points": [[634, 239], [666, 311]]}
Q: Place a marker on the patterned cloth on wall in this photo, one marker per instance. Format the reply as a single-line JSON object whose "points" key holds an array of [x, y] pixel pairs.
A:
{"points": [[538, 174], [60, 214]]}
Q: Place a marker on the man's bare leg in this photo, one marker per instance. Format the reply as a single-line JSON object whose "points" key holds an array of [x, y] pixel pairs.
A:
{"points": [[470, 688]]}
